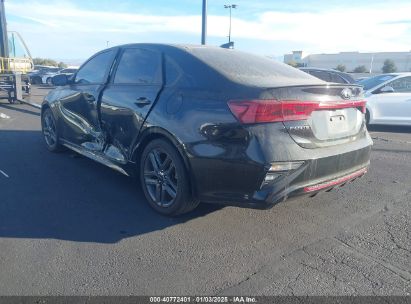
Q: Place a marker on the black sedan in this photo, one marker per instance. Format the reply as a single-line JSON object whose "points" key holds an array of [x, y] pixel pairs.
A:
{"points": [[330, 75], [199, 123]]}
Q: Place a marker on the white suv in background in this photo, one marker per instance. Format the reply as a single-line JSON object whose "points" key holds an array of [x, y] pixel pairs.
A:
{"points": [[388, 99]]}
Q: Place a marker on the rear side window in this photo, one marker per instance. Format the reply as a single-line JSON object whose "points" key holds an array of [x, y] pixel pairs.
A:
{"points": [[95, 70], [138, 66], [172, 71]]}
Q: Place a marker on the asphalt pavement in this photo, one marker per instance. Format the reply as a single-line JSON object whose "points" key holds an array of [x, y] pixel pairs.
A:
{"points": [[70, 226]]}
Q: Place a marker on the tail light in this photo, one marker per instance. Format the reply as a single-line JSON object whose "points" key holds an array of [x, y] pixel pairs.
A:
{"points": [[268, 110]]}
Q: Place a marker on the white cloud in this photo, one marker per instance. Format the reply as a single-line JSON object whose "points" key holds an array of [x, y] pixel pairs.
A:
{"points": [[348, 29]]}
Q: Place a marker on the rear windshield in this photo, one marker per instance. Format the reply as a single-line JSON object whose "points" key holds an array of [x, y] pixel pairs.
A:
{"points": [[372, 82], [251, 69]]}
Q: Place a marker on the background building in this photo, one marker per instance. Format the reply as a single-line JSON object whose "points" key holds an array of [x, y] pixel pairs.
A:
{"points": [[373, 62]]}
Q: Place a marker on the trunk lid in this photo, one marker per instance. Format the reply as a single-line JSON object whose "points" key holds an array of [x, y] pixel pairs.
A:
{"points": [[337, 114]]}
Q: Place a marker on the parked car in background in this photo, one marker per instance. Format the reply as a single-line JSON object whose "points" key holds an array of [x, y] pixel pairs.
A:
{"points": [[388, 99], [329, 75], [48, 78], [202, 123], [359, 79], [36, 76]]}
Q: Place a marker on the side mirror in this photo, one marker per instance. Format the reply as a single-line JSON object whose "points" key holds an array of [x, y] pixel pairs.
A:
{"points": [[60, 80], [387, 89]]}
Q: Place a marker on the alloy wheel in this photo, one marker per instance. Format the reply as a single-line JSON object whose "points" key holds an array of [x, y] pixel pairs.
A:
{"points": [[49, 129], [160, 177]]}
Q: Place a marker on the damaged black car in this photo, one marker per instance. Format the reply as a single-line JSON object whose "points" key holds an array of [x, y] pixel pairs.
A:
{"points": [[206, 124]]}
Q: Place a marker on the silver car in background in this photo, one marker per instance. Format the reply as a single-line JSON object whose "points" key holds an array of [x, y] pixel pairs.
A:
{"points": [[388, 99]]}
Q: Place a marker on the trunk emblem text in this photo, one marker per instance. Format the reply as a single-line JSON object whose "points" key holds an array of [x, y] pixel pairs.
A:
{"points": [[300, 128]]}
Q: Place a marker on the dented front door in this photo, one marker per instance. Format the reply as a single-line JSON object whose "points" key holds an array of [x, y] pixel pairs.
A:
{"points": [[80, 105]]}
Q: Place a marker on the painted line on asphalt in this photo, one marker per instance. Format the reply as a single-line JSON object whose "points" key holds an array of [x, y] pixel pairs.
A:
{"points": [[2, 115], [4, 173]]}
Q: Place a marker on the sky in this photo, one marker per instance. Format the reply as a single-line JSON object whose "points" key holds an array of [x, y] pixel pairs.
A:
{"points": [[76, 29]]}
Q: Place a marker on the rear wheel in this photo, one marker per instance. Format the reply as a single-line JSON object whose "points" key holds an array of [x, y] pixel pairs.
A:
{"points": [[50, 131], [367, 118], [164, 179]]}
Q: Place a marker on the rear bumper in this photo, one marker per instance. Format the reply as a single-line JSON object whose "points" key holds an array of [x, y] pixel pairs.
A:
{"points": [[310, 188], [314, 176], [336, 181]]}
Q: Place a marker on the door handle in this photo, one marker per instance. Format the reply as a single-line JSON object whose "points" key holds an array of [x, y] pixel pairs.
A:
{"points": [[142, 101]]}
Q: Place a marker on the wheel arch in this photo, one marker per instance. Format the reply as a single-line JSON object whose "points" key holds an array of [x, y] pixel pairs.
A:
{"points": [[153, 133], [44, 106]]}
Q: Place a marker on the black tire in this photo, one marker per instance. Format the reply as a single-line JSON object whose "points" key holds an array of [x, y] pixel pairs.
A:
{"points": [[49, 81], [367, 118], [34, 80], [12, 100], [164, 179], [50, 131]]}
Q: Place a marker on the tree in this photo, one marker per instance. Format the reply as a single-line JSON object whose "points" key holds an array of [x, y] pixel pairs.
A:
{"points": [[360, 69], [389, 66], [62, 65], [340, 68], [295, 64], [49, 62]]}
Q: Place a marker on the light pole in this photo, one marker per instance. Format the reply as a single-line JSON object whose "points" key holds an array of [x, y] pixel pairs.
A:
{"points": [[372, 61], [204, 23], [230, 6]]}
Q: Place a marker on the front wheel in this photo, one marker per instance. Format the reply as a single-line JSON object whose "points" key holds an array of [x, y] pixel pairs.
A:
{"points": [[50, 131], [164, 179]]}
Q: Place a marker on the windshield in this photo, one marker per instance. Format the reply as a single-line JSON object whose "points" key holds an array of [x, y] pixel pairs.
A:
{"points": [[372, 82]]}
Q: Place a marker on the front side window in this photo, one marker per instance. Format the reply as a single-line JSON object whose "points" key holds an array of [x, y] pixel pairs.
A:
{"points": [[95, 70], [401, 85], [138, 66], [372, 82]]}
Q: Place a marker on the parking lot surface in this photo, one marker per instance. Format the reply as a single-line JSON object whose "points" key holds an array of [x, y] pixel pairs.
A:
{"points": [[70, 226]]}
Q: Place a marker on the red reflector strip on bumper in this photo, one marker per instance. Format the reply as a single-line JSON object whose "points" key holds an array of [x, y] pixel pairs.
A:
{"points": [[335, 181]]}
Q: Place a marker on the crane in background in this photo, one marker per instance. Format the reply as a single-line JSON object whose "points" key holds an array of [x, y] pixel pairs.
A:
{"points": [[15, 62]]}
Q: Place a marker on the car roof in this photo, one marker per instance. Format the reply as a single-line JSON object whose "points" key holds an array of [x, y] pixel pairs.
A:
{"points": [[160, 46], [235, 65], [399, 74]]}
